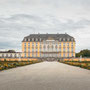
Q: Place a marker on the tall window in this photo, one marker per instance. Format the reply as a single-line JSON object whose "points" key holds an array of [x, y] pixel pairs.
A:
{"points": [[60, 54], [28, 54], [25, 54], [60, 44], [25, 44], [64, 55], [68, 49], [28, 44], [60, 49], [68, 55], [72, 54], [72, 44], [64, 49], [72, 49], [52, 47], [63, 44], [29, 49], [68, 44], [25, 49]]}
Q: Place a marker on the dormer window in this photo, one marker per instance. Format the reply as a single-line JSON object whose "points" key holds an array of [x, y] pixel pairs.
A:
{"points": [[72, 39], [36, 39], [60, 39], [25, 39], [68, 39], [40, 39], [29, 39], [63, 39], [32, 39]]}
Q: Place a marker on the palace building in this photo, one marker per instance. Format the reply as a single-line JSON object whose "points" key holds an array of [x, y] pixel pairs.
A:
{"points": [[48, 45], [10, 54]]}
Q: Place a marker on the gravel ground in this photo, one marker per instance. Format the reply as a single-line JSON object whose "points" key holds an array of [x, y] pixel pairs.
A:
{"points": [[45, 76]]}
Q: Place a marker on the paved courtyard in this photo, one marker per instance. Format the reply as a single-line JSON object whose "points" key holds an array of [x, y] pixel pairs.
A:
{"points": [[45, 76]]}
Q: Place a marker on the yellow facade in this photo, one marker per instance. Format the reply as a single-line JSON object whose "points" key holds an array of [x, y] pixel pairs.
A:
{"points": [[37, 48]]}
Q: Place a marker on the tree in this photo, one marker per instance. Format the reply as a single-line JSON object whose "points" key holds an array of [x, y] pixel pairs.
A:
{"points": [[11, 51], [84, 53]]}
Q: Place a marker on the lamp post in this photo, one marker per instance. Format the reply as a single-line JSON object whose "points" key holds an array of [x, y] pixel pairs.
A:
{"points": [[19, 57], [80, 58]]}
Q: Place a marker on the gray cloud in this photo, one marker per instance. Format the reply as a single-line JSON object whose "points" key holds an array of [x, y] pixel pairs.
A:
{"points": [[19, 18]]}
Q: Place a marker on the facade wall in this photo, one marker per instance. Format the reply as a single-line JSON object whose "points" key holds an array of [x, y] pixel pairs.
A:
{"points": [[10, 55], [48, 49]]}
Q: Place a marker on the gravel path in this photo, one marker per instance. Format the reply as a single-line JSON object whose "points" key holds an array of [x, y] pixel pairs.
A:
{"points": [[45, 76]]}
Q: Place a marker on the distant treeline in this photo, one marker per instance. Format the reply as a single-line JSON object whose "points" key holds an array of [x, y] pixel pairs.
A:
{"points": [[83, 53]]}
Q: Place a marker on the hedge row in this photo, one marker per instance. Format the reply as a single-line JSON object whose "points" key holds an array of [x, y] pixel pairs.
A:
{"points": [[12, 64], [83, 64]]}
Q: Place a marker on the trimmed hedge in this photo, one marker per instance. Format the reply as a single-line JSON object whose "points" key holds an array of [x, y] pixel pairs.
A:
{"points": [[12, 64], [83, 64]]}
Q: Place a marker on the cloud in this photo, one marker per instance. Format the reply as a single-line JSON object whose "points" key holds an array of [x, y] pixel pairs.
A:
{"points": [[19, 18]]}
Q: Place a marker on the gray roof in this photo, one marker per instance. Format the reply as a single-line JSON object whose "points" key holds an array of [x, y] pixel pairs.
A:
{"points": [[59, 37], [8, 52]]}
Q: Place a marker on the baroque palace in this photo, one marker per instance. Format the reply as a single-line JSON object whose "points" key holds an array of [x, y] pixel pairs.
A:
{"points": [[48, 45], [45, 46]]}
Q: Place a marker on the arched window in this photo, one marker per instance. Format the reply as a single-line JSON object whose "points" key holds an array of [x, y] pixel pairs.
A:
{"points": [[40, 39], [63, 39], [48, 46], [72, 39], [44, 46], [6, 55], [10, 55], [52, 46]]}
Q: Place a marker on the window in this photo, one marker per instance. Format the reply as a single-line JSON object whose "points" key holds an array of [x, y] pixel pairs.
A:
{"points": [[72, 54], [63, 39], [44, 46], [60, 54], [72, 39], [72, 44], [64, 44], [60, 49], [64, 49], [32, 39], [68, 44], [64, 55], [48, 46], [68, 54], [25, 49], [28, 44], [60, 39], [68, 49], [36, 39], [25, 44], [28, 54], [40, 39], [72, 49], [32, 45], [28, 49], [68, 39], [52, 46]]}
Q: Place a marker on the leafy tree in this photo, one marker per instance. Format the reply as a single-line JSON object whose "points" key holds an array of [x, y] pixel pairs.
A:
{"points": [[84, 53], [11, 51]]}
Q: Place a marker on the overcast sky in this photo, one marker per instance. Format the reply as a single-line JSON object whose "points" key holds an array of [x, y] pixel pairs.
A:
{"points": [[19, 18]]}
